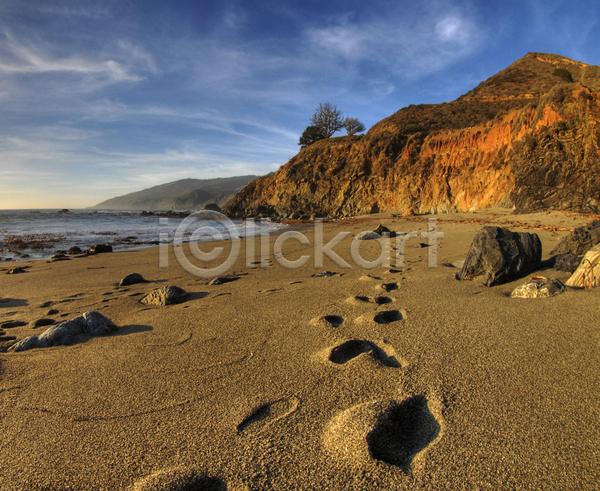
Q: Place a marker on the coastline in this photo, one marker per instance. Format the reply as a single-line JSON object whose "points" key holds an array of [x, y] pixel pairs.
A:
{"points": [[238, 384]]}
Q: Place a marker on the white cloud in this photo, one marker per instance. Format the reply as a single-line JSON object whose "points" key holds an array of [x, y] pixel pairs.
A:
{"points": [[413, 47], [125, 64]]}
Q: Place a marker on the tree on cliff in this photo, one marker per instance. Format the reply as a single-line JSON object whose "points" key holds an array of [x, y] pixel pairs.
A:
{"points": [[328, 119], [353, 126], [311, 135]]}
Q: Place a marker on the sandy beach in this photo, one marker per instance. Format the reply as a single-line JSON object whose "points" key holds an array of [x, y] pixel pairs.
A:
{"points": [[390, 378]]}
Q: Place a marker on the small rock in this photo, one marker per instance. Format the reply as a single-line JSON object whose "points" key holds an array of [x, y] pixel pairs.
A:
{"points": [[166, 295], [539, 288], [324, 274], [132, 279], [222, 279], [16, 271], [100, 248], [74, 250]]}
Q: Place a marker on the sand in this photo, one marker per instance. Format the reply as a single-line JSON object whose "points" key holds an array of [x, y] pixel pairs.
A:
{"points": [[281, 380]]}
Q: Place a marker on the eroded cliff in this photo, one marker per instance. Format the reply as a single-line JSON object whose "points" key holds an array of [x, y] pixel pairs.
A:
{"points": [[526, 138]]}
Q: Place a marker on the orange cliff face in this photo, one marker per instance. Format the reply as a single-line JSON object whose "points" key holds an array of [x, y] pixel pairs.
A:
{"points": [[525, 153]]}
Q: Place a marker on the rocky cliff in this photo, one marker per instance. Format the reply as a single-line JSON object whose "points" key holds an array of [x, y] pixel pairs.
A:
{"points": [[527, 138]]}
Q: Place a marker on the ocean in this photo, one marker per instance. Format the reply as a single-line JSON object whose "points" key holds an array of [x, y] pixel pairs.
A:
{"points": [[40, 234]]}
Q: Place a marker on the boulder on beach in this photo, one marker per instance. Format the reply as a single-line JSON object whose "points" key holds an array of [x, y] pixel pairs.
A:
{"points": [[565, 262], [581, 240], [132, 279], [539, 287], [93, 323], [587, 274], [100, 248], [167, 295], [498, 255]]}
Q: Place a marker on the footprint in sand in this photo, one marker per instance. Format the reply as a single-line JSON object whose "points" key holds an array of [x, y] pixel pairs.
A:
{"points": [[383, 317], [388, 431], [327, 321], [362, 299], [267, 414], [181, 479], [388, 316], [369, 277], [352, 349], [388, 287]]}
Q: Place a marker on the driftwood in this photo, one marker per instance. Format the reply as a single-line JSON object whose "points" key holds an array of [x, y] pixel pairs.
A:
{"points": [[587, 274]]}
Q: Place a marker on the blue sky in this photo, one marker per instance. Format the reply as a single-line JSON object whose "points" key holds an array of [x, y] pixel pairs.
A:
{"points": [[99, 99]]}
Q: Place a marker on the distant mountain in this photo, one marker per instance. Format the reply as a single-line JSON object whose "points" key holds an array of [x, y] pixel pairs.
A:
{"points": [[527, 138], [185, 194]]}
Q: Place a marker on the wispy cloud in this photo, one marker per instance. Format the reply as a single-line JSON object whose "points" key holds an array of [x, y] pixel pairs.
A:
{"points": [[409, 47], [125, 64]]}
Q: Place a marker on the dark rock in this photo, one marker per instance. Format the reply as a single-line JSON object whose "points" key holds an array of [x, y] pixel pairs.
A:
{"points": [[100, 248], [42, 323], [566, 262], [166, 295], [581, 240], [384, 230], [323, 274], [74, 250], [212, 207], [52, 312], [498, 255], [12, 324], [16, 271], [64, 211], [223, 279], [539, 288], [132, 279], [93, 323]]}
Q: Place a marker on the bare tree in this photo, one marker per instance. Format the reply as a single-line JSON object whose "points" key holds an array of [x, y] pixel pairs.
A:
{"points": [[353, 126], [328, 119]]}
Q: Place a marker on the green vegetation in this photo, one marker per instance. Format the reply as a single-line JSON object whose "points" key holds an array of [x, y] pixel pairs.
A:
{"points": [[564, 74], [311, 135]]}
